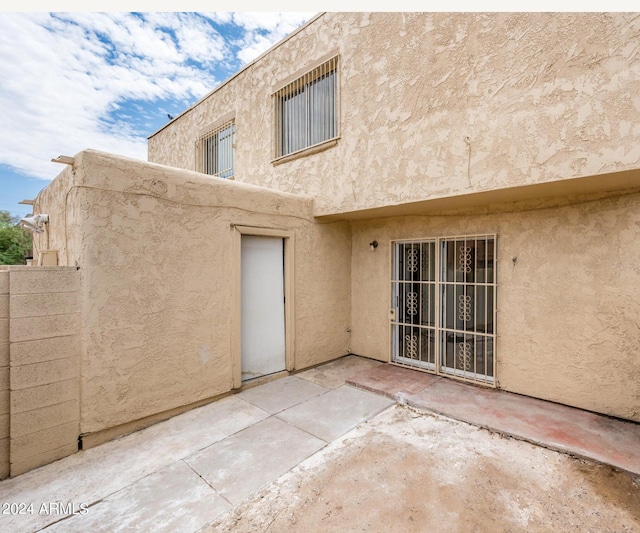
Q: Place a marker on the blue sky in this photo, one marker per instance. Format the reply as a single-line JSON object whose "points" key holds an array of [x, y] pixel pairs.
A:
{"points": [[77, 80]]}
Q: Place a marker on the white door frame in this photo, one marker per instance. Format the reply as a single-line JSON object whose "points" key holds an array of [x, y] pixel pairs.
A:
{"points": [[236, 295]]}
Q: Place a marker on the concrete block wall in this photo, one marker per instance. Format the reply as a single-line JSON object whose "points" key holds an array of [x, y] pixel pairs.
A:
{"points": [[4, 373], [44, 327]]}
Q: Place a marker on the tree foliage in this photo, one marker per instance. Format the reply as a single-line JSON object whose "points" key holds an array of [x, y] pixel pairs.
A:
{"points": [[15, 241]]}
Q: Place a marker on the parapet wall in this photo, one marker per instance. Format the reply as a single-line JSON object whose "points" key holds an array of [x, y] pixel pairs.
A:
{"points": [[155, 248]]}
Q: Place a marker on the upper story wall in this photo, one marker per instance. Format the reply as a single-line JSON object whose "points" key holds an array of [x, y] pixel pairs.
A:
{"points": [[434, 104]]}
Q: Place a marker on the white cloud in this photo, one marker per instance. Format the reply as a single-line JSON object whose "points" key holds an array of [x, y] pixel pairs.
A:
{"points": [[64, 75], [275, 23], [265, 29]]}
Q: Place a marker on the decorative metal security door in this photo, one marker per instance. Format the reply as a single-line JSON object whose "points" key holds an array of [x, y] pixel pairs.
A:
{"points": [[414, 303], [467, 309], [443, 319]]}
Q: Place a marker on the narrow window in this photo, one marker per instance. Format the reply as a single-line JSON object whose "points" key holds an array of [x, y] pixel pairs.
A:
{"points": [[216, 151], [306, 110]]}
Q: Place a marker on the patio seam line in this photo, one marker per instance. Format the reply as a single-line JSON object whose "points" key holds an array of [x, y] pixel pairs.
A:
{"points": [[269, 415], [164, 465], [369, 388], [69, 516], [572, 453], [298, 428], [274, 415], [65, 517], [294, 405], [391, 395], [206, 482], [318, 396], [376, 413], [234, 505]]}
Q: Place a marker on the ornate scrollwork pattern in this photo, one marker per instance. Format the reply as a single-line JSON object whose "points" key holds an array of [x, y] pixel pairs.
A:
{"points": [[412, 303], [465, 353], [464, 307], [412, 260], [412, 346], [464, 259]]}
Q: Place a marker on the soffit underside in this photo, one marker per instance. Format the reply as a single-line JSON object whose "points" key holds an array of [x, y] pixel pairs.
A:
{"points": [[509, 199]]}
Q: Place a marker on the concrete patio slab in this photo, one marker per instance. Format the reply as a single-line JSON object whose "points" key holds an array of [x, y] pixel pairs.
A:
{"points": [[391, 380], [281, 394], [555, 426], [406, 471], [206, 464], [330, 415], [334, 374], [241, 464], [173, 499], [559, 427], [97, 473]]}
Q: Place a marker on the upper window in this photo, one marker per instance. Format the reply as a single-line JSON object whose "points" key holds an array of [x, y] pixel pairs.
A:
{"points": [[216, 151], [306, 110]]}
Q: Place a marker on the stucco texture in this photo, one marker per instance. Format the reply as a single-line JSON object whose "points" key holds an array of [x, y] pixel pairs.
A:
{"points": [[434, 104], [154, 246], [567, 304], [479, 109]]}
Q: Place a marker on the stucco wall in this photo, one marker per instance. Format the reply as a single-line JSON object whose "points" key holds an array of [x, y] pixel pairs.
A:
{"points": [[568, 327], [154, 247], [436, 104]]}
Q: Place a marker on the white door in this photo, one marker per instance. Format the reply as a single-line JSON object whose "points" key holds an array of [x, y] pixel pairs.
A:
{"points": [[262, 326]]}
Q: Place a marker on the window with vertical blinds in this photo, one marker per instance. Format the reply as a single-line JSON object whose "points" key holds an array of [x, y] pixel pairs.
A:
{"points": [[215, 151], [306, 110]]}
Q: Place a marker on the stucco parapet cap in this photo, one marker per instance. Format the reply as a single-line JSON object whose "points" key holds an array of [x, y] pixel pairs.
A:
{"points": [[109, 172], [508, 199]]}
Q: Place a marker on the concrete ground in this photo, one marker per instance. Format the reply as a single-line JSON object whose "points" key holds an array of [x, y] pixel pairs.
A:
{"points": [[409, 471], [310, 453], [558, 427]]}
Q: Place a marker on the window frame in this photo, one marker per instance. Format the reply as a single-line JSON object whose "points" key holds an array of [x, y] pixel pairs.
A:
{"points": [[219, 139], [308, 99]]}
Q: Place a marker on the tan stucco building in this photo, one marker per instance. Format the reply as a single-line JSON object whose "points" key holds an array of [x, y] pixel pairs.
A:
{"points": [[457, 193]]}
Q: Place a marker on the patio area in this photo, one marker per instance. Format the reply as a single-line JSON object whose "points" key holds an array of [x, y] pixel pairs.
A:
{"points": [[558, 427], [217, 467]]}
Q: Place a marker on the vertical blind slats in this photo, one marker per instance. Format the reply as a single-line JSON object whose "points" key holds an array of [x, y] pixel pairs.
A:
{"points": [[217, 151], [306, 110]]}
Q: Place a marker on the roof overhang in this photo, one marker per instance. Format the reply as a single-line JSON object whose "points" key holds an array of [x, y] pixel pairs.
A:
{"points": [[509, 199]]}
